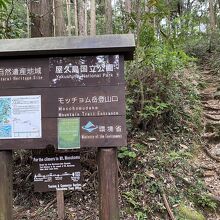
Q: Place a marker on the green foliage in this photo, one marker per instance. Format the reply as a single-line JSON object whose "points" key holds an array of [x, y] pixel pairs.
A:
{"points": [[197, 195], [124, 152], [162, 165], [141, 215], [13, 19], [178, 155], [3, 3], [157, 92], [206, 201], [156, 86], [203, 47], [186, 213], [132, 198]]}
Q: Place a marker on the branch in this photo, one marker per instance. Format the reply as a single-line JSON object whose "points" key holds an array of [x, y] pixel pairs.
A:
{"points": [[169, 210], [8, 17]]}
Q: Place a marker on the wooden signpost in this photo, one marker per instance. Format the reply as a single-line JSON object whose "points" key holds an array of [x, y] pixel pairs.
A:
{"points": [[6, 185], [69, 93]]}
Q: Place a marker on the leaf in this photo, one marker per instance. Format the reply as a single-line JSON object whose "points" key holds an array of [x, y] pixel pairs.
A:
{"points": [[151, 139], [150, 173], [184, 146], [3, 3]]}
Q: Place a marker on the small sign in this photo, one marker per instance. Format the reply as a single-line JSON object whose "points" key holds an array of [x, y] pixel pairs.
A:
{"points": [[77, 101], [103, 131], [86, 70], [57, 172], [75, 133], [68, 133], [20, 117], [62, 71]]}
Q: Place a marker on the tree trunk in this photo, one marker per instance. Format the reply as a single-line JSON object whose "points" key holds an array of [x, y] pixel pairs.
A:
{"points": [[68, 4], [138, 19], [212, 16], [41, 18], [46, 17], [60, 29], [128, 6], [6, 185], [86, 20], [35, 19], [108, 17], [28, 18], [93, 18], [76, 18], [81, 17]]}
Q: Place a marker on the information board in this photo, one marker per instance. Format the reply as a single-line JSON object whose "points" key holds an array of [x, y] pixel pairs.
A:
{"points": [[68, 102], [57, 172], [20, 117], [62, 71]]}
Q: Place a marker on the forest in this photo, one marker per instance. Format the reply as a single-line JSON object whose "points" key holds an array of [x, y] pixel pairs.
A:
{"points": [[170, 168]]}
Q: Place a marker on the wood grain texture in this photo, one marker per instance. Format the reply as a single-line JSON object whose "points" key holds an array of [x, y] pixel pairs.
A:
{"points": [[60, 205], [6, 185], [108, 184]]}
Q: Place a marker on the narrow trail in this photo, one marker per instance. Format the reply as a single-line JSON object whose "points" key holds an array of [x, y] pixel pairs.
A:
{"points": [[209, 157]]}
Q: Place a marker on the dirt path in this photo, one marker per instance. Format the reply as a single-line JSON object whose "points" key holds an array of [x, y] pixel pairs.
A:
{"points": [[209, 158]]}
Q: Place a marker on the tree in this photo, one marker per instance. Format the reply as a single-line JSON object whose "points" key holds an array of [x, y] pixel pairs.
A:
{"points": [[68, 9], [108, 17], [60, 29], [93, 18], [28, 17], [41, 18], [76, 18], [81, 17], [212, 16], [128, 6], [86, 19]]}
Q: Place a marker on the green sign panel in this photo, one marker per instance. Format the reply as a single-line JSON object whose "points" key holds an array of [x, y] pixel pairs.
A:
{"points": [[68, 133]]}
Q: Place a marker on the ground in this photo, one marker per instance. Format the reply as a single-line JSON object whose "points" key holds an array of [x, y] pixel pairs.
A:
{"points": [[208, 158]]}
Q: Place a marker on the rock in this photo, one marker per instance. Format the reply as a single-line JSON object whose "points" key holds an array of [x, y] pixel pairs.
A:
{"points": [[151, 139], [212, 117], [216, 150], [150, 173], [209, 173], [184, 146], [209, 135], [217, 95]]}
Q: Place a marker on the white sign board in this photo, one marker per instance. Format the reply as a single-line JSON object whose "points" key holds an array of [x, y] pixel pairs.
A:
{"points": [[20, 117]]}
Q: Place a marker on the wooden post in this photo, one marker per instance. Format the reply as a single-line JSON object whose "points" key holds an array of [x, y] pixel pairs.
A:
{"points": [[60, 205], [6, 185], [108, 184]]}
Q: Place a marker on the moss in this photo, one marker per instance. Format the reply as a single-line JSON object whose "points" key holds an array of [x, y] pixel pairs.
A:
{"points": [[186, 213]]}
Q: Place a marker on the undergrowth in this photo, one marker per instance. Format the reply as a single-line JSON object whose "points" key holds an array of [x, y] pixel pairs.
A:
{"points": [[164, 118], [159, 164], [206, 49]]}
